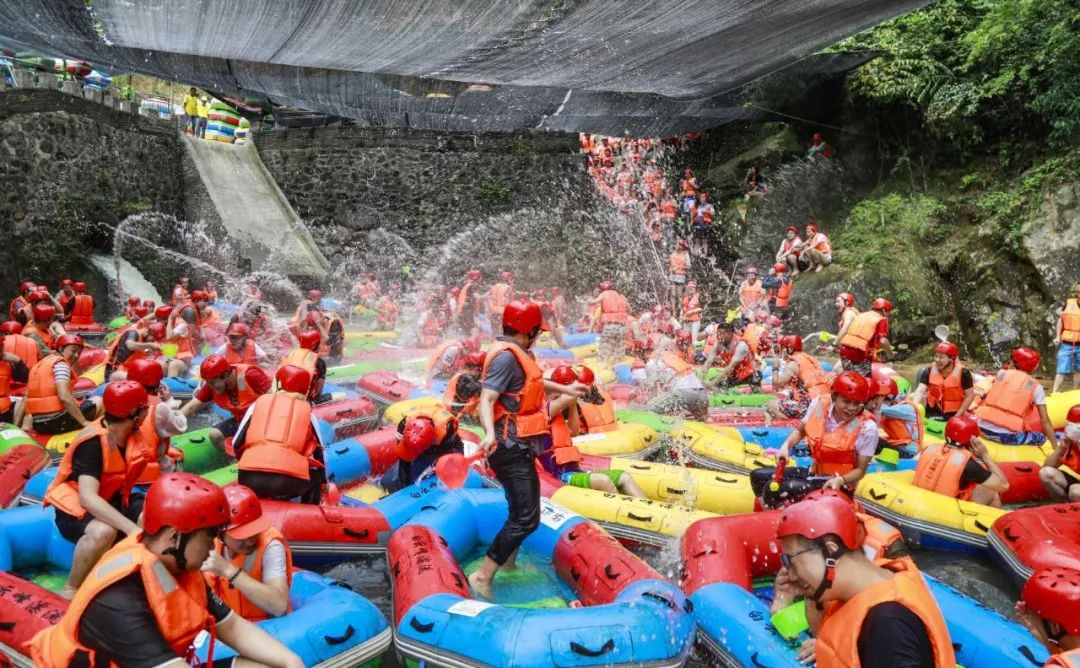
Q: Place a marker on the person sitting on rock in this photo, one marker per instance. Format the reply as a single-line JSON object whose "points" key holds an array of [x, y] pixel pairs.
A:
{"points": [[946, 387], [818, 148], [1014, 410], [817, 250], [1060, 473], [789, 251]]}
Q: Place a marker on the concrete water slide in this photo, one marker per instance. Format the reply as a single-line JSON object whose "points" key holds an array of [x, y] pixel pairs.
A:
{"points": [[261, 222]]}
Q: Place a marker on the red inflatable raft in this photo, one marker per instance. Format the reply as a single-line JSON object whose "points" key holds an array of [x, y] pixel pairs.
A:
{"points": [[350, 417], [385, 387], [743, 418], [328, 530], [25, 609], [1028, 539]]}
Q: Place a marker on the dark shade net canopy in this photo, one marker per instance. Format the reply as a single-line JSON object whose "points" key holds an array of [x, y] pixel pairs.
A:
{"points": [[606, 66]]}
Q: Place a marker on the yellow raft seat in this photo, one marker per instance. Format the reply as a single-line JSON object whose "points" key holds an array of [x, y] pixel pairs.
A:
{"points": [[635, 441]]}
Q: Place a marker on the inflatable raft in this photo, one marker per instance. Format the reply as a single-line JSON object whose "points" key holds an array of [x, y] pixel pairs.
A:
{"points": [[349, 417], [21, 458], [628, 615], [384, 387], [1029, 539], [723, 556], [636, 441]]}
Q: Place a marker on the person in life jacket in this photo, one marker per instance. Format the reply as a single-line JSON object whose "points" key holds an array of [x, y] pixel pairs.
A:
{"points": [[842, 436], [818, 148], [132, 343], [702, 216], [673, 386], [466, 302], [25, 348], [688, 187], [277, 443], [313, 302], [1067, 339], [614, 315], [129, 311], [163, 420], [961, 468], [307, 357], [43, 327], [462, 394], [79, 310], [845, 306], [146, 602], [21, 300], [737, 353], [50, 406], [899, 418], [12, 370], [241, 349], [1049, 607], [449, 357], [751, 294], [946, 387], [562, 460], [234, 387], [424, 435], [779, 287], [1060, 473], [180, 291], [863, 612], [559, 308], [790, 249], [387, 309], [92, 490], [678, 269], [332, 330], [1014, 409], [500, 295], [799, 375], [250, 567], [691, 310], [866, 338], [817, 249], [515, 423], [184, 328], [65, 293]]}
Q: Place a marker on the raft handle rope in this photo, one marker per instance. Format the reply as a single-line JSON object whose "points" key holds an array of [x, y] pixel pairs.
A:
{"points": [[337, 640], [585, 651]]}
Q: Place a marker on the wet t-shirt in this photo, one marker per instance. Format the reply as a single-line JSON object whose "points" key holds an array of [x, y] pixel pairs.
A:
{"points": [[505, 376], [892, 636]]}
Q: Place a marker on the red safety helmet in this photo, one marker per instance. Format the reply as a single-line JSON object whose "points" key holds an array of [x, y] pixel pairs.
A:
{"points": [[948, 349], [563, 375], [1026, 359], [140, 311], [163, 312], [960, 429], [294, 379], [38, 296], [199, 296], [310, 340], [882, 304], [780, 268], [147, 373], [606, 285], [26, 285], [79, 286], [246, 518], [185, 502], [371, 276], [64, 283], [476, 359], [847, 298], [238, 329], [819, 517], [214, 366], [157, 330], [123, 399], [887, 387], [313, 318], [791, 228], [852, 386], [812, 228], [523, 316], [11, 327], [473, 274], [42, 288], [65, 340], [1054, 594], [792, 342], [586, 375], [418, 436], [314, 295], [1072, 416], [43, 312], [134, 301]]}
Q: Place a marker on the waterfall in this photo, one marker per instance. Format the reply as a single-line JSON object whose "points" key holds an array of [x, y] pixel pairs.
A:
{"points": [[124, 279]]}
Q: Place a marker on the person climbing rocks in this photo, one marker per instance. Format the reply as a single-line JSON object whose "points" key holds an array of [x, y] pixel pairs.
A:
{"points": [[842, 436], [866, 338], [1067, 340], [751, 294], [50, 407], [1014, 409], [778, 286], [961, 468], [233, 388], [279, 454], [12, 370], [690, 316], [146, 601], [387, 309], [861, 612], [799, 375], [562, 460], [738, 354], [424, 435], [241, 349], [515, 424], [678, 268], [1049, 608], [674, 387], [180, 292], [132, 342], [191, 111], [818, 148], [614, 313], [162, 422], [702, 216], [946, 387], [251, 566], [817, 249], [1060, 473], [900, 419], [92, 490], [449, 357]]}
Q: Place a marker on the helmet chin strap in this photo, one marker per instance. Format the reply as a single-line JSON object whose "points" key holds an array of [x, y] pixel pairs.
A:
{"points": [[830, 574], [177, 552]]}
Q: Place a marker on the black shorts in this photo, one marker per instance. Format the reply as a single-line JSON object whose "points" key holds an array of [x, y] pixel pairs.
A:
{"points": [[72, 529], [284, 487], [8, 415], [62, 423], [228, 427]]}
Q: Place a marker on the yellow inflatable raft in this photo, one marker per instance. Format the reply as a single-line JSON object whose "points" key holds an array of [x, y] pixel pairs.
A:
{"points": [[95, 374], [394, 412], [589, 350], [720, 448], [641, 520], [635, 441], [1058, 405], [1003, 453], [926, 518]]}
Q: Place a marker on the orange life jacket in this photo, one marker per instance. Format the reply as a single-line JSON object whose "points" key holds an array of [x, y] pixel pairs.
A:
{"points": [[441, 418], [861, 334], [180, 295], [82, 313], [435, 359], [247, 356], [599, 417], [837, 643], [5, 386], [669, 209], [185, 345], [238, 403], [787, 247], [177, 602], [303, 358], [562, 442], [833, 452], [677, 364], [750, 294], [678, 263], [897, 431], [1009, 400], [691, 303], [252, 565], [1070, 659], [613, 308], [386, 311], [822, 244], [689, 186], [464, 296], [945, 393], [753, 335], [500, 297], [811, 378], [118, 474], [1071, 458], [150, 440], [43, 333], [530, 418], [940, 469], [41, 395], [22, 347], [279, 437], [1070, 322], [450, 398], [783, 293]]}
